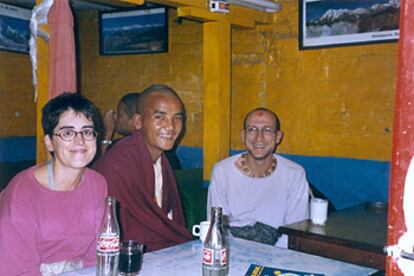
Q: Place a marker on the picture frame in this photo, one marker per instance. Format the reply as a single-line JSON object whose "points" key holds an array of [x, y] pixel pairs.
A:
{"points": [[14, 29], [138, 31], [332, 23]]}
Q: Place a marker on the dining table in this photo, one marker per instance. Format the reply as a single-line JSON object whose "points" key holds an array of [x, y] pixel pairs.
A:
{"points": [[356, 235], [185, 260]]}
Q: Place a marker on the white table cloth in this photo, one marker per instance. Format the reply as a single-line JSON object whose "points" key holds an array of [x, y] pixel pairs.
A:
{"points": [[185, 260]]}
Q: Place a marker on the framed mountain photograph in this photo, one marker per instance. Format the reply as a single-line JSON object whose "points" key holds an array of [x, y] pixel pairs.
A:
{"points": [[329, 23], [14, 28], [140, 31]]}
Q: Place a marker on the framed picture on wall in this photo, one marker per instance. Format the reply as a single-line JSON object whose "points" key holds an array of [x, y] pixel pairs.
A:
{"points": [[329, 23], [14, 28], [140, 31]]}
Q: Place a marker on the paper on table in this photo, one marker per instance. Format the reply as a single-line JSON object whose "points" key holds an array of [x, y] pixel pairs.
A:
{"points": [[259, 270], [406, 241], [404, 249]]}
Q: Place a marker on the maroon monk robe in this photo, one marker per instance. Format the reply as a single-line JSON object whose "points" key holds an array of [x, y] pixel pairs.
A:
{"points": [[129, 171]]}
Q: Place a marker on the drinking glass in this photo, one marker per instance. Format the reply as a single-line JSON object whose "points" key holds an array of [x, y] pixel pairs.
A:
{"points": [[318, 211], [130, 259]]}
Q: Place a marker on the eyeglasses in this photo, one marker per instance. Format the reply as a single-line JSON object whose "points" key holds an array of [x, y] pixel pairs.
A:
{"points": [[88, 134], [266, 131]]}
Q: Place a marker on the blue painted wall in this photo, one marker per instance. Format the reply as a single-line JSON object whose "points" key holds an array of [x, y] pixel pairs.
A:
{"points": [[16, 149], [345, 181]]}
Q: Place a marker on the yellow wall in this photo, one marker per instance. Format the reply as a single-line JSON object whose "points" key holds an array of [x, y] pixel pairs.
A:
{"points": [[17, 112], [331, 102], [105, 79]]}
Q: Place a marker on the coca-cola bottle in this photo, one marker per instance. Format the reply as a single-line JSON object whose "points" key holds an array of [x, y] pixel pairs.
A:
{"points": [[215, 249], [107, 251]]}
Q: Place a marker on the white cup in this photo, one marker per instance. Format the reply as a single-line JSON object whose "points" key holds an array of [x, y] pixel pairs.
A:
{"points": [[318, 211], [200, 230]]}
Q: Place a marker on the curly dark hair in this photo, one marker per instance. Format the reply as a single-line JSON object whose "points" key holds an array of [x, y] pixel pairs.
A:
{"points": [[55, 107]]}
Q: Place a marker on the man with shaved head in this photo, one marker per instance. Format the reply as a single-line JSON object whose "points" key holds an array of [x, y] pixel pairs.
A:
{"points": [[140, 176], [258, 189]]}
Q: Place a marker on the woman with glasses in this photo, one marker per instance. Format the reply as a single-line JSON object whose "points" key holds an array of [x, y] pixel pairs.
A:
{"points": [[50, 213]]}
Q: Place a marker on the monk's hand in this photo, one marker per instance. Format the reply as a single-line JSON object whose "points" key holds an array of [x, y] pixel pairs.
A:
{"points": [[109, 123]]}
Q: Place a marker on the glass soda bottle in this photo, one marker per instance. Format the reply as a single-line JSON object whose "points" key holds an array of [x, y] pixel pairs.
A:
{"points": [[215, 249], [107, 251]]}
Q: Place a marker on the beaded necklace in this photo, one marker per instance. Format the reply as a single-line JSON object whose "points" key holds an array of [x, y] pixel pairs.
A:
{"points": [[246, 170]]}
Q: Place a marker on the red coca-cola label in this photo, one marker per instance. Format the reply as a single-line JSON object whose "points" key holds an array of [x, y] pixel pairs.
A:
{"points": [[223, 256], [108, 244], [208, 255]]}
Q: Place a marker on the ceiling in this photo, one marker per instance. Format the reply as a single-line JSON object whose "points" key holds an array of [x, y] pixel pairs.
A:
{"points": [[101, 5]]}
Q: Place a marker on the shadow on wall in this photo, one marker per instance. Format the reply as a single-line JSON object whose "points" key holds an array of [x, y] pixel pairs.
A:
{"points": [[193, 195], [16, 154], [9, 170]]}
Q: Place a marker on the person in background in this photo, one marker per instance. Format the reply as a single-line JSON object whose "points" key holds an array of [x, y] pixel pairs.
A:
{"points": [[50, 213], [122, 121], [140, 176], [258, 189]]}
